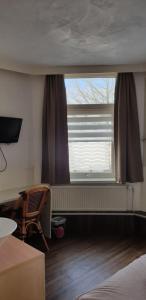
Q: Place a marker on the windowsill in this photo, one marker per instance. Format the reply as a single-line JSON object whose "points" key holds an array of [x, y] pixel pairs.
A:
{"points": [[99, 181], [90, 183], [96, 183]]}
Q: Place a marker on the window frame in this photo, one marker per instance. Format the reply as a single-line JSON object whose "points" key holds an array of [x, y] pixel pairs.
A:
{"points": [[93, 109]]}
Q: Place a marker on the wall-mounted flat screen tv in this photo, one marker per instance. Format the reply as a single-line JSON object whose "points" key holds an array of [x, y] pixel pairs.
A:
{"points": [[10, 129]]}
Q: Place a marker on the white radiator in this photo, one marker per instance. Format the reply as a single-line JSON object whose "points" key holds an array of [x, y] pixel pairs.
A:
{"points": [[91, 198]]}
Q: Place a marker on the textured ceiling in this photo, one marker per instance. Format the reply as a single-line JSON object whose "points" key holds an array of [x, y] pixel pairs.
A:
{"points": [[73, 32]]}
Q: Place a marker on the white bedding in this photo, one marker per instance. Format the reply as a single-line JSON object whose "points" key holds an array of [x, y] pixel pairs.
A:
{"points": [[127, 284]]}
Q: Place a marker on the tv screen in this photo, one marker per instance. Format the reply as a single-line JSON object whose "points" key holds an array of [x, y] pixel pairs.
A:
{"points": [[9, 129]]}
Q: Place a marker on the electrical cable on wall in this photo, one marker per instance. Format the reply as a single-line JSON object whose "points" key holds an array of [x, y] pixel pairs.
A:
{"points": [[5, 160]]}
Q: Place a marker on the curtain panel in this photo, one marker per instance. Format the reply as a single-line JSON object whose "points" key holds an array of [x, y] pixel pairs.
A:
{"points": [[128, 161], [55, 158]]}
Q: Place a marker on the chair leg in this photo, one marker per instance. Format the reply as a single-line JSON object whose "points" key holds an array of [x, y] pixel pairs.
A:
{"points": [[23, 231], [42, 234]]}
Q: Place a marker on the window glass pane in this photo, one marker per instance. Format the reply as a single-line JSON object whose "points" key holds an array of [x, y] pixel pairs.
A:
{"points": [[90, 90]]}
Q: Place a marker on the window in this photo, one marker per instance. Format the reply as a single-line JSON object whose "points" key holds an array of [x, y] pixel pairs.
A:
{"points": [[90, 128]]}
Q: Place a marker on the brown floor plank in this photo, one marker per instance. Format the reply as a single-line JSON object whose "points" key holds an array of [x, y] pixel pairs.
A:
{"points": [[76, 265]]}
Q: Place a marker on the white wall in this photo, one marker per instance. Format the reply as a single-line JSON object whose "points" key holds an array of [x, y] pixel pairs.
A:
{"points": [[143, 198], [38, 87], [16, 101], [37, 104], [140, 91], [22, 96]]}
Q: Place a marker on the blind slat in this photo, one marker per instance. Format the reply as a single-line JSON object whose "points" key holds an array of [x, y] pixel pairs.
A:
{"points": [[83, 127], [90, 134]]}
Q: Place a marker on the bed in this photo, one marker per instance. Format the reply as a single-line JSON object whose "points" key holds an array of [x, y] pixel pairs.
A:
{"points": [[127, 284]]}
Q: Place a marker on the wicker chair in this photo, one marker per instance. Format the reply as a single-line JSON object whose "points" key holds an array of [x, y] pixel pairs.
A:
{"points": [[28, 208]]}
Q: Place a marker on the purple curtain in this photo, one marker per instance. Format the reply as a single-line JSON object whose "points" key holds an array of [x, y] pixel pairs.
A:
{"points": [[55, 159], [128, 162]]}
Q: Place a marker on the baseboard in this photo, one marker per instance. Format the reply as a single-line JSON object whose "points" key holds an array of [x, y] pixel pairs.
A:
{"points": [[101, 223], [107, 213]]}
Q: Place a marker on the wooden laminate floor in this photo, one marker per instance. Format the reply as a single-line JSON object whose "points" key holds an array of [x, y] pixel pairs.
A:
{"points": [[76, 265]]}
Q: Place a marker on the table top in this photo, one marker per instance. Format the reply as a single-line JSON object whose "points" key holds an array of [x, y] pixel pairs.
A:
{"points": [[10, 194], [14, 252]]}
